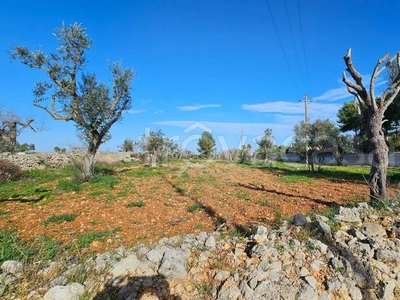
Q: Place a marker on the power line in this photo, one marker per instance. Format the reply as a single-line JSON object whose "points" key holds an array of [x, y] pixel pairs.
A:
{"points": [[302, 39], [281, 45], [293, 41]]}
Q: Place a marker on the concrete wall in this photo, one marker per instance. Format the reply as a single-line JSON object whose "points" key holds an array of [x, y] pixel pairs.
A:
{"points": [[349, 159]]}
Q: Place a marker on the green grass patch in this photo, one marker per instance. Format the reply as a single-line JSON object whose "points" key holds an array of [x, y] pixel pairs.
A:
{"points": [[3, 213], [261, 202], [11, 248], [60, 219], [243, 194], [194, 207], [86, 239], [204, 178], [103, 182], [96, 193], [27, 189], [295, 178], [67, 185], [144, 172], [136, 204], [48, 248], [198, 226], [295, 172]]}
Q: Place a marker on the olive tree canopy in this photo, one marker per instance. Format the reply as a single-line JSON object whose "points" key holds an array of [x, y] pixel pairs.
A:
{"points": [[69, 94]]}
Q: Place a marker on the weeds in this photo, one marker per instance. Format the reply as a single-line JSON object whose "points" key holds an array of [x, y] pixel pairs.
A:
{"points": [[198, 226], [261, 202], [310, 245], [204, 289], [136, 204], [86, 239], [194, 207], [96, 193], [144, 172], [279, 219], [60, 219], [243, 194], [66, 185], [104, 182], [13, 248]]}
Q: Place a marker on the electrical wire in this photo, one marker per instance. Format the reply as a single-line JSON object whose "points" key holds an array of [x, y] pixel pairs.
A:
{"points": [[293, 42], [281, 45], [302, 40]]}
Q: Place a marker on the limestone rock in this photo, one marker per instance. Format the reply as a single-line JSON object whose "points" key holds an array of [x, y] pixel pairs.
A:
{"points": [[173, 265], [349, 215], [69, 292]]}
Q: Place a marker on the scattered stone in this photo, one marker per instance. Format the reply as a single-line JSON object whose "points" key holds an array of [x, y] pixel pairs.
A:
{"points": [[303, 272], [359, 261], [387, 255], [373, 230], [12, 267], [311, 281], [325, 229], [300, 220], [173, 265], [349, 215], [69, 292], [154, 255], [306, 292], [60, 280], [210, 242], [126, 266]]}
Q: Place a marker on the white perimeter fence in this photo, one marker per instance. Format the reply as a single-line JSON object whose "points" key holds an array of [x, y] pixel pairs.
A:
{"points": [[349, 159]]}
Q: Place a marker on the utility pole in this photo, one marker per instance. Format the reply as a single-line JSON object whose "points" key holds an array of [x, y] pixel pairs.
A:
{"points": [[306, 101]]}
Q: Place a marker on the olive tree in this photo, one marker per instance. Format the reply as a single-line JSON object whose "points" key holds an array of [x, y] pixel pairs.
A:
{"points": [[374, 114], [323, 138], [69, 94], [156, 145], [266, 144], [11, 126], [127, 146]]}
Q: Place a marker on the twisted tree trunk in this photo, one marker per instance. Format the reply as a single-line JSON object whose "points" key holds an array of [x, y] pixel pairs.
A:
{"points": [[380, 159], [376, 105]]}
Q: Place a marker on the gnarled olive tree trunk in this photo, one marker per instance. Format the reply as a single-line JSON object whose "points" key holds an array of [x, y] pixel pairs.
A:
{"points": [[380, 158], [376, 107]]}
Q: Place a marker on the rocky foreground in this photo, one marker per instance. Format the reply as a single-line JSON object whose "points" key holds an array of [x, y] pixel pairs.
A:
{"points": [[354, 255]]}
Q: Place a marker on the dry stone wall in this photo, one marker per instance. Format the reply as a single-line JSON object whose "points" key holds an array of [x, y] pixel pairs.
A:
{"points": [[28, 161]]}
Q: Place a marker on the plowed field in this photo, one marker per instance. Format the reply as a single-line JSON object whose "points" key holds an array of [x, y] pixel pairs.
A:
{"points": [[143, 204]]}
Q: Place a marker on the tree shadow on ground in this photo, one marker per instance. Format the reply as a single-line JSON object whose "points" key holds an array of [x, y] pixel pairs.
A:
{"points": [[222, 223], [333, 175], [273, 191], [362, 270], [219, 221], [135, 287]]}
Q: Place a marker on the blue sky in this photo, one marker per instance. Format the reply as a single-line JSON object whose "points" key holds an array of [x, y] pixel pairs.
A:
{"points": [[231, 67]]}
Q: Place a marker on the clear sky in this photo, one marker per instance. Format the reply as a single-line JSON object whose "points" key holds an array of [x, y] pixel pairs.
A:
{"points": [[231, 67]]}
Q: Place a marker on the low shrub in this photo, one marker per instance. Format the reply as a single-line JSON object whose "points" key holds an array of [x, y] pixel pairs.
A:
{"points": [[9, 171]]}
